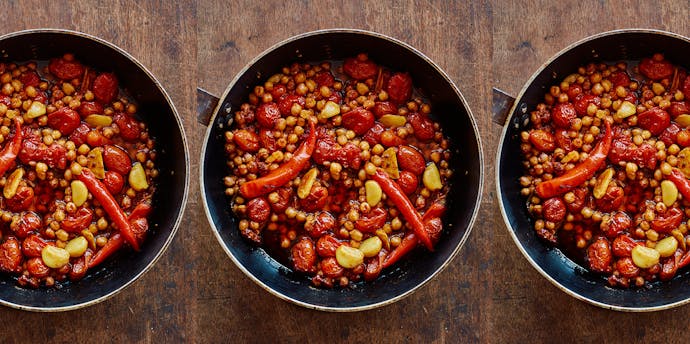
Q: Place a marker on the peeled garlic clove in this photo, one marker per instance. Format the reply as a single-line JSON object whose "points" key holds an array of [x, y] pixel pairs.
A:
{"points": [[669, 192], [603, 182], [645, 257], [306, 183], [666, 246], [393, 120], [371, 246], [98, 120], [54, 257], [627, 109], [89, 238], [77, 246], [12, 183], [683, 120], [373, 192], [329, 110], [348, 257], [79, 192], [137, 177], [432, 178], [95, 163], [384, 239], [390, 163], [36, 109]]}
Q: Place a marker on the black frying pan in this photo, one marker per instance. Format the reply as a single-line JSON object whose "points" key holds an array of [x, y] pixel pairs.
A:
{"points": [[551, 263], [157, 110], [450, 109]]}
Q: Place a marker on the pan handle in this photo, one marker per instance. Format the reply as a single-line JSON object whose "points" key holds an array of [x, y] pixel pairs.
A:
{"points": [[502, 102], [205, 104]]}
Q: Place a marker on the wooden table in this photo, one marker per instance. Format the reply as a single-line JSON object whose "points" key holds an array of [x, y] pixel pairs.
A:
{"points": [[488, 294]]}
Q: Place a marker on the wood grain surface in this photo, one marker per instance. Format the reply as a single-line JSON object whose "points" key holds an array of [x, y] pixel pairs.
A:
{"points": [[488, 294]]}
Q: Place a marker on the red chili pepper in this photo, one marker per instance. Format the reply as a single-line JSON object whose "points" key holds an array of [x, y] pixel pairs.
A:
{"points": [[9, 153], [141, 210], [435, 210], [285, 173], [109, 204], [682, 183], [113, 245], [410, 240], [406, 245], [117, 241], [580, 173], [397, 195]]}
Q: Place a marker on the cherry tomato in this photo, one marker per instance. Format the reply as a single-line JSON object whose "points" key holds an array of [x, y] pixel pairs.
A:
{"points": [[553, 209], [258, 209], [105, 87], [411, 159], [360, 68], [304, 255], [246, 140], [358, 120], [599, 256], [116, 159], [399, 87], [267, 114], [65, 70], [64, 119]]}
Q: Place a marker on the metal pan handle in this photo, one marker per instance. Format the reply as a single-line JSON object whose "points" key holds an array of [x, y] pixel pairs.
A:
{"points": [[502, 102], [206, 102]]}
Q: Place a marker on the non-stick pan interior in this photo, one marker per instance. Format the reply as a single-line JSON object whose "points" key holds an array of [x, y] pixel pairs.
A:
{"points": [[156, 110], [447, 106], [610, 47]]}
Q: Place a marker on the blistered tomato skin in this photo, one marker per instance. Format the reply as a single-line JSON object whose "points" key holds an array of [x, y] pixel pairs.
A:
{"points": [[542, 140], [326, 245], [359, 69], [304, 255], [267, 114], [408, 181], [129, 127], [65, 70], [116, 159], [114, 181], [423, 126], [554, 209], [562, 114], [64, 119], [10, 255], [246, 140], [600, 257], [655, 120], [30, 78], [90, 108], [410, 159], [22, 200], [258, 209], [399, 87], [656, 69], [105, 87], [358, 120]]}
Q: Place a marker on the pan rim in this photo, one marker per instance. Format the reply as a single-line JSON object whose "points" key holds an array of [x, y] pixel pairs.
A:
{"points": [[499, 152], [183, 205], [263, 285]]}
